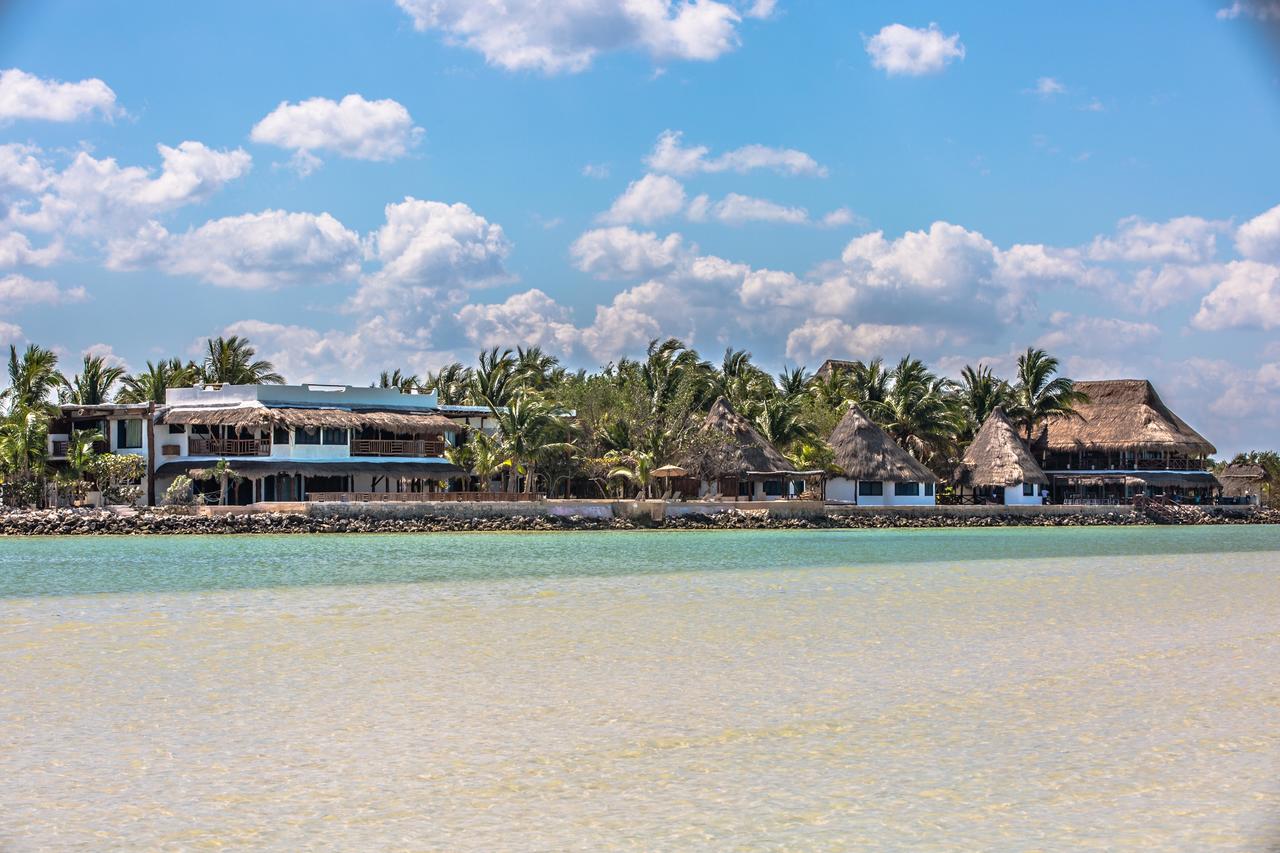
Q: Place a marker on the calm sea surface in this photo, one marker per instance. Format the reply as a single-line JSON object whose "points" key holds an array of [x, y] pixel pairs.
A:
{"points": [[1076, 688]]}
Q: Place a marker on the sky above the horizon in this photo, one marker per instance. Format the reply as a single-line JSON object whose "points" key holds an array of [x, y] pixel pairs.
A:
{"points": [[400, 183]]}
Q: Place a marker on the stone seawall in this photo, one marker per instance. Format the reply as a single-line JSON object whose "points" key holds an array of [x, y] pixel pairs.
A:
{"points": [[577, 515]]}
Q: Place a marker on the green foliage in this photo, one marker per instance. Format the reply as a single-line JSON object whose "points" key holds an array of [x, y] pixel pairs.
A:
{"points": [[92, 386], [232, 361], [181, 492], [148, 386], [118, 476], [33, 379], [1039, 394]]}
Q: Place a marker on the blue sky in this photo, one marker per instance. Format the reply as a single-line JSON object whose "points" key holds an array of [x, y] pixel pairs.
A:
{"points": [[361, 186]]}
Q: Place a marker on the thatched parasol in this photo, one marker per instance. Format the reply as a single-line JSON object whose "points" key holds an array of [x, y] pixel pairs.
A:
{"points": [[670, 471], [863, 451], [997, 457]]}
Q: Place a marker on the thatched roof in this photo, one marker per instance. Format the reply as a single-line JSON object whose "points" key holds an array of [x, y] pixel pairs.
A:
{"points": [[1243, 472], [748, 450], [259, 415], [1122, 414], [997, 457], [864, 451], [256, 467]]}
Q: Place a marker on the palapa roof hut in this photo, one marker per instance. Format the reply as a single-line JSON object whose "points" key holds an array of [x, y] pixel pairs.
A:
{"points": [[863, 451], [1239, 481], [1122, 414], [748, 452], [997, 457]]}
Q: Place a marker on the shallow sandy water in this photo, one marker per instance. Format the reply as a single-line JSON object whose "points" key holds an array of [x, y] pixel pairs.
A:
{"points": [[987, 701]]}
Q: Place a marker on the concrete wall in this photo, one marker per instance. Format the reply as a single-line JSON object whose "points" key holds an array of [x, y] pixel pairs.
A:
{"points": [[980, 511], [846, 491], [1013, 496]]}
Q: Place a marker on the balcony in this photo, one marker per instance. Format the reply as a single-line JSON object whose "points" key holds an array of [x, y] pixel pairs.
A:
{"points": [[431, 447], [228, 447], [58, 448]]}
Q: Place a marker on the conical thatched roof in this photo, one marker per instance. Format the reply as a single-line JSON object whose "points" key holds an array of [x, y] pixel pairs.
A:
{"points": [[1122, 414], [997, 457], [865, 452], [748, 449]]}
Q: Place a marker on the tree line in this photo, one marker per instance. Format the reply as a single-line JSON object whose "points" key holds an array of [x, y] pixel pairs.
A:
{"points": [[611, 427]]}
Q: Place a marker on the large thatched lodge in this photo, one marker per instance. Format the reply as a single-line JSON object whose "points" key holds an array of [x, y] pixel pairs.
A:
{"points": [[317, 442], [1123, 443]]}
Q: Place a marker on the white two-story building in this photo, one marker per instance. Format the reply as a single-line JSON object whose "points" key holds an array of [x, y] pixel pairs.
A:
{"points": [[302, 442]]}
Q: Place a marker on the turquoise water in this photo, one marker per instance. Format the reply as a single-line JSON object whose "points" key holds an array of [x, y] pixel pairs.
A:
{"points": [[80, 565], [993, 689]]}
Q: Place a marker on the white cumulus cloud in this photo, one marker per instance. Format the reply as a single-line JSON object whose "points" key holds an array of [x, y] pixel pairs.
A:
{"points": [[899, 49], [19, 291], [670, 156], [427, 250], [1259, 238], [353, 127], [649, 199], [26, 96], [1248, 298], [525, 319], [92, 196], [620, 252], [568, 36], [251, 251]]}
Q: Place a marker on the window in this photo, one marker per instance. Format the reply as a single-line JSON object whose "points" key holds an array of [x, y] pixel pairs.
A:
{"points": [[928, 490], [870, 488], [1028, 490], [306, 435], [773, 488], [177, 429], [906, 490], [280, 434], [129, 434], [334, 436]]}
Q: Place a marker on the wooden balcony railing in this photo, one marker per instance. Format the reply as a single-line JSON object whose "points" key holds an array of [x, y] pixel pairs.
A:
{"points": [[397, 447], [419, 497], [59, 448], [228, 447]]}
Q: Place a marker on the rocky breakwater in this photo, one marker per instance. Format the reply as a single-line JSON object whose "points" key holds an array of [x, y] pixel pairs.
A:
{"points": [[91, 522]]}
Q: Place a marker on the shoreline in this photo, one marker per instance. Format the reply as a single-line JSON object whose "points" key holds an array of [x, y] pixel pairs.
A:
{"points": [[149, 522]]}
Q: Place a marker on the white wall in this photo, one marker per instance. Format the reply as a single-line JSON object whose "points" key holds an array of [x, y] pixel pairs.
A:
{"points": [[1013, 496], [846, 491]]}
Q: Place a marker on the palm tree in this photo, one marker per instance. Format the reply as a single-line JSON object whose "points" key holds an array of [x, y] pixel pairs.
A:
{"points": [[80, 450], [33, 378], [793, 382], [24, 437], [224, 474], [979, 394], [450, 384], [536, 369], [916, 411], [404, 382], [779, 420], [149, 386], [529, 427], [867, 384], [92, 385], [481, 455], [1039, 395], [494, 382], [230, 361], [637, 467]]}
